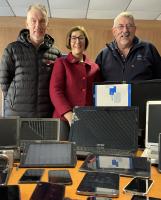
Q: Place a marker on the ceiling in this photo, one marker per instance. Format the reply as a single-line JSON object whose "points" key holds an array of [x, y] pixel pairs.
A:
{"points": [[86, 9]]}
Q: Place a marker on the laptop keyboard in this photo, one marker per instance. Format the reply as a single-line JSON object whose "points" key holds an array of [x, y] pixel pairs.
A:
{"points": [[84, 150]]}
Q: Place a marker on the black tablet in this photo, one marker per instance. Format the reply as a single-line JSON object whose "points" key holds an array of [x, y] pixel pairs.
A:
{"points": [[48, 154], [99, 184], [126, 166], [48, 191]]}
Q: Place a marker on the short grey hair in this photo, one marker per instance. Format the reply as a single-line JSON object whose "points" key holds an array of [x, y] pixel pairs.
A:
{"points": [[123, 14], [40, 7]]}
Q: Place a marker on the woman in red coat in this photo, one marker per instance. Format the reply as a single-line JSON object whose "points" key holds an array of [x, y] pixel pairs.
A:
{"points": [[72, 79]]}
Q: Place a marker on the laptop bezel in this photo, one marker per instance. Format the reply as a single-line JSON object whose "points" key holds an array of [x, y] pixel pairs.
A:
{"points": [[149, 144], [43, 120]]}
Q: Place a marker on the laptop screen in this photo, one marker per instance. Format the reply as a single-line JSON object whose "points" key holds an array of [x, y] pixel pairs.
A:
{"points": [[111, 127], [9, 132], [143, 91], [39, 129], [153, 122]]}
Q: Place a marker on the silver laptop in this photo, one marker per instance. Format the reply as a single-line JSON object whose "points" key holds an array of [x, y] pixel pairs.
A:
{"points": [[152, 130], [39, 129]]}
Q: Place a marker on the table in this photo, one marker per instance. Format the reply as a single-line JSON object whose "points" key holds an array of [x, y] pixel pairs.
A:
{"points": [[27, 189]]}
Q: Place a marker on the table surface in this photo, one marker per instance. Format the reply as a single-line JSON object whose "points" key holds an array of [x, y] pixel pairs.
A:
{"points": [[27, 189]]}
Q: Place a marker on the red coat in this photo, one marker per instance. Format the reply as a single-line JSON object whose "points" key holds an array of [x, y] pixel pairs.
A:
{"points": [[71, 84]]}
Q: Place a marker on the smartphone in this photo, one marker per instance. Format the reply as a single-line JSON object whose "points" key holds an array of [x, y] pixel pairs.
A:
{"points": [[9, 192], [48, 191], [139, 186], [31, 176], [59, 176], [138, 197], [159, 153], [98, 198]]}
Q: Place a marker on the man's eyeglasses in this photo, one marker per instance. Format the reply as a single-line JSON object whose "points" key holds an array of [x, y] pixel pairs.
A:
{"points": [[127, 26], [74, 38]]}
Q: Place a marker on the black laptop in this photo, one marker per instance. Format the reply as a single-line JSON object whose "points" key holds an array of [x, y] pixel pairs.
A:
{"points": [[9, 134], [105, 130]]}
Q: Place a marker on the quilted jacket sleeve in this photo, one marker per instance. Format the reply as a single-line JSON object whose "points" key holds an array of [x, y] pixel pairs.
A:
{"points": [[7, 69]]}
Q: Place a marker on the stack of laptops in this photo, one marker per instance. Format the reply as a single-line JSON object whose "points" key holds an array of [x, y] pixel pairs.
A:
{"points": [[105, 130], [153, 128]]}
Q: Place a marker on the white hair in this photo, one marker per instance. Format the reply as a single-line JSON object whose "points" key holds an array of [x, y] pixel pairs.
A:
{"points": [[123, 14]]}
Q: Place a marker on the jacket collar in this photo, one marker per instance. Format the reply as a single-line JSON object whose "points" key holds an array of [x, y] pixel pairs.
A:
{"points": [[113, 45], [24, 35], [71, 59]]}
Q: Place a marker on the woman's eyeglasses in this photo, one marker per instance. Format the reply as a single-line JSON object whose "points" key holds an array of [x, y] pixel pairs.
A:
{"points": [[80, 38]]}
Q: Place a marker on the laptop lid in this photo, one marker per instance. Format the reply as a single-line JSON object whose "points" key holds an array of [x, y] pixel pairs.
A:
{"points": [[39, 129], [108, 127], [112, 94], [9, 132], [153, 123]]}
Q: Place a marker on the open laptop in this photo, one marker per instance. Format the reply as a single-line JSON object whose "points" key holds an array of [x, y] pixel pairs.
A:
{"points": [[9, 133], [32, 129], [139, 92], [105, 130], [153, 128]]}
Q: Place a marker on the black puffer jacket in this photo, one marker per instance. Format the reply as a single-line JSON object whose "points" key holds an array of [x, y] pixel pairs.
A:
{"points": [[24, 77]]}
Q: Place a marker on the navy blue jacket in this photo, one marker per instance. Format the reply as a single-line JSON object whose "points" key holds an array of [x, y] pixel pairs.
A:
{"points": [[142, 63]]}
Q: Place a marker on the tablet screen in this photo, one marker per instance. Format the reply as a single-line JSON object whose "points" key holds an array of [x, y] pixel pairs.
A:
{"points": [[127, 166], [48, 155], [99, 183]]}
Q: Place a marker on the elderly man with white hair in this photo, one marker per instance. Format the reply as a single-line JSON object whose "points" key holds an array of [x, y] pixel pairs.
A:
{"points": [[128, 58]]}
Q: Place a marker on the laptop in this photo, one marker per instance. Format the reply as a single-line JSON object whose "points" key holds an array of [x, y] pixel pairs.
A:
{"points": [[136, 93], [105, 130], [32, 129], [153, 128], [9, 134]]}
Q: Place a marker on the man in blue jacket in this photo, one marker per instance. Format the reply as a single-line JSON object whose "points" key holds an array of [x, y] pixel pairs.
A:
{"points": [[127, 58]]}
